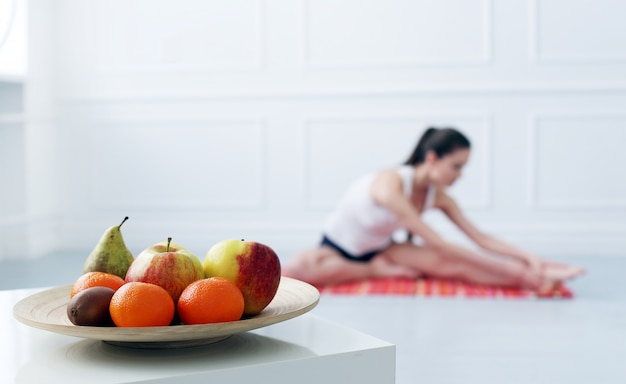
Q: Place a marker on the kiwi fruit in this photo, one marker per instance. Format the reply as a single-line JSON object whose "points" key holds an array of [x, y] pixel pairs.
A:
{"points": [[91, 307]]}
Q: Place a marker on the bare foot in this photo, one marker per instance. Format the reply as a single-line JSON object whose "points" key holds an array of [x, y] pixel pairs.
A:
{"points": [[548, 286], [384, 268], [555, 274], [562, 272]]}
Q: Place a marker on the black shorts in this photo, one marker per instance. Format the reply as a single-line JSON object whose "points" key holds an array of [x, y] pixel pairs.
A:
{"points": [[362, 259]]}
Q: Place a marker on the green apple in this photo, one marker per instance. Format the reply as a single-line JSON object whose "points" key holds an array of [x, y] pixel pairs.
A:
{"points": [[168, 265], [254, 267]]}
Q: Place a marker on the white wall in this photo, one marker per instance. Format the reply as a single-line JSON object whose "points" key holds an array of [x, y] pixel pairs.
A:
{"points": [[203, 119], [13, 206]]}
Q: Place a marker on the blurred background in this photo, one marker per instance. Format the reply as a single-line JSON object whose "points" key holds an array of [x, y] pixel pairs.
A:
{"points": [[204, 120]]}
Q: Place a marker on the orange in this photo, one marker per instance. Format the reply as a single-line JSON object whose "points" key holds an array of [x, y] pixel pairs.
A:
{"points": [[96, 279], [210, 300], [138, 304]]}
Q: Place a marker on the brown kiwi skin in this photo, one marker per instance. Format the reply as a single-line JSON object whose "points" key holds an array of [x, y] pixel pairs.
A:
{"points": [[91, 307]]}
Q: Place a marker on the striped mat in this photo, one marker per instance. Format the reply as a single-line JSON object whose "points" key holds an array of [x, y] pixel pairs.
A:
{"points": [[436, 288]]}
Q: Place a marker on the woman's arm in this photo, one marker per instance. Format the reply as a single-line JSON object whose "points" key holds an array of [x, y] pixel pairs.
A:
{"points": [[387, 192], [483, 240]]}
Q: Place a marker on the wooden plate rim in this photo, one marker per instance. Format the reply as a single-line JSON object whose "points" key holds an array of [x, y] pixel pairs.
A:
{"points": [[293, 298]]}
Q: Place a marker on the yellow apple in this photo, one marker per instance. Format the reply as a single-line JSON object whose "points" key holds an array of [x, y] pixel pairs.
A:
{"points": [[254, 267]]}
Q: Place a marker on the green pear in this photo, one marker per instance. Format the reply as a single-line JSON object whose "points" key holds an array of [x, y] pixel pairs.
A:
{"points": [[110, 254]]}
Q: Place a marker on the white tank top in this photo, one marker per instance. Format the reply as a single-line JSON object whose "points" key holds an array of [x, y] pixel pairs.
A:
{"points": [[359, 225]]}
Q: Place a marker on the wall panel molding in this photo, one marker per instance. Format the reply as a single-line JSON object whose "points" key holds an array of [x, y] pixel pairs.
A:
{"points": [[182, 38], [594, 121], [587, 29], [482, 57], [236, 180]]}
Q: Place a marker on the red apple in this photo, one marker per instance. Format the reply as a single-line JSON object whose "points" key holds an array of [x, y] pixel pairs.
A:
{"points": [[168, 265], [252, 266]]}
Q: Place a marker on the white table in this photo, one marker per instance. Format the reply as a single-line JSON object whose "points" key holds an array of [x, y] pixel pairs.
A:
{"points": [[307, 349]]}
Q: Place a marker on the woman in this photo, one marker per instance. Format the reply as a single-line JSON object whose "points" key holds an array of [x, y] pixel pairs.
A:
{"points": [[357, 238]]}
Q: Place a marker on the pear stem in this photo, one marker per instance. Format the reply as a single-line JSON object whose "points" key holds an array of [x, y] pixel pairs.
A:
{"points": [[169, 240], [123, 221]]}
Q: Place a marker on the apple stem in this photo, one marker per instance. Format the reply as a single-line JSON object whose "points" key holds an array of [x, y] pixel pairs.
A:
{"points": [[169, 240], [123, 221]]}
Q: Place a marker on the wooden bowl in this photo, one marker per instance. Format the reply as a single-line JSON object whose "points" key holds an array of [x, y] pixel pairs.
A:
{"points": [[47, 310]]}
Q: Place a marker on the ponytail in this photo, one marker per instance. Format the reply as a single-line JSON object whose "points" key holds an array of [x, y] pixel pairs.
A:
{"points": [[442, 141]]}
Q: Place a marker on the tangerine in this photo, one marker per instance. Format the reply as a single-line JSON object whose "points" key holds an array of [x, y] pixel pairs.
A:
{"points": [[210, 300], [138, 304], [96, 279]]}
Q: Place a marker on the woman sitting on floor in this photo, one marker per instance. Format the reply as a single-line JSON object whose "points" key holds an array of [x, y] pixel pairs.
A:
{"points": [[357, 238]]}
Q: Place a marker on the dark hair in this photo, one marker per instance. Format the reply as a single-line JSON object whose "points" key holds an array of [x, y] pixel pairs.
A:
{"points": [[442, 141]]}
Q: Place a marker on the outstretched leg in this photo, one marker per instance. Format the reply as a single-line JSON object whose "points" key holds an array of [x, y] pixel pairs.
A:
{"points": [[324, 265], [488, 270]]}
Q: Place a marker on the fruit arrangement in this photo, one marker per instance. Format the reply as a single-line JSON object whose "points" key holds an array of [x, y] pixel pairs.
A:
{"points": [[166, 284]]}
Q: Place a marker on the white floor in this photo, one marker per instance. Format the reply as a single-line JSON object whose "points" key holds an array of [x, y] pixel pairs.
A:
{"points": [[481, 341]]}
